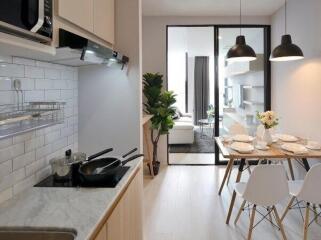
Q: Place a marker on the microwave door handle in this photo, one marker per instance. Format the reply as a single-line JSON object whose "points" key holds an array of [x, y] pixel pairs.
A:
{"points": [[41, 16]]}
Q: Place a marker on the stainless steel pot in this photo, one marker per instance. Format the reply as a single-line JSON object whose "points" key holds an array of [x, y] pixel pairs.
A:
{"points": [[62, 168]]}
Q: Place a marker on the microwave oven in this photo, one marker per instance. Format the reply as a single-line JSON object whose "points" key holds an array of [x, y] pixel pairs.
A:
{"points": [[31, 19]]}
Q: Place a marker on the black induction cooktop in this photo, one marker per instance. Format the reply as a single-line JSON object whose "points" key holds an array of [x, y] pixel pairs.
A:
{"points": [[76, 182]]}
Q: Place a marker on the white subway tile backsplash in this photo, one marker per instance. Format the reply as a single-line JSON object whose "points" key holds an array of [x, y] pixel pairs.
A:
{"points": [[23, 137], [68, 75], [24, 61], [67, 94], [27, 83], [5, 84], [35, 95], [60, 143], [52, 95], [34, 72], [7, 97], [6, 142], [11, 70], [34, 143], [7, 59], [24, 159], [43, 151], [11, 152], [18, 175], [51, 137], [44, 84], [43, 173], [35, 166], [51, 73], [5, 168]]}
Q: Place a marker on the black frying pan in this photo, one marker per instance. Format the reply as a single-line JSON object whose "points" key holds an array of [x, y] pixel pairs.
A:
{"points": [[88, 173]]}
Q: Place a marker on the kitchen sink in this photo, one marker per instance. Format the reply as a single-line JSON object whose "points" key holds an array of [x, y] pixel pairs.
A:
{"points": [[36, 234]]}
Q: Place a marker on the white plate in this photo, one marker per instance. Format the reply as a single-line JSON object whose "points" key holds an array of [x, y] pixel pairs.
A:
{"points": [[242, 138], [262, 148], [313, 147], [287, 138], [294, 148], [242, 147]]}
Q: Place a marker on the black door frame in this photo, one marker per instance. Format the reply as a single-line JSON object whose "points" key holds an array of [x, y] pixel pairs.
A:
{"points": [[267, 75]]}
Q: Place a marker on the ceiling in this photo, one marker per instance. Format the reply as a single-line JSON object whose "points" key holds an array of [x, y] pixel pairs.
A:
{"points": [[210, 7]]}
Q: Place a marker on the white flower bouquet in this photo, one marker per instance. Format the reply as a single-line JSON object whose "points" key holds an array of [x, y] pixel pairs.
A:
{"points": [[268, 119]]}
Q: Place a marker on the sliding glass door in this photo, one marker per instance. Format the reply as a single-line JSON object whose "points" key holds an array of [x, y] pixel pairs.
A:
{"points": [[213, 94], [242, 88]]}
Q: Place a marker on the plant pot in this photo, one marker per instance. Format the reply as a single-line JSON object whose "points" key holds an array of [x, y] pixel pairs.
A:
{"points": [[156, 166]]}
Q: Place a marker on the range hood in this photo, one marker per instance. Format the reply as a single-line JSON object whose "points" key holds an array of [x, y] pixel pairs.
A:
{"points": [[75, 50]]}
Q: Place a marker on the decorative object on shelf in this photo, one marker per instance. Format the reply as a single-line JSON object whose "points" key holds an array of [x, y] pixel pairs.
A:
{"points": [[269, 120], [160, 105], [287, 51], [240, 52]]}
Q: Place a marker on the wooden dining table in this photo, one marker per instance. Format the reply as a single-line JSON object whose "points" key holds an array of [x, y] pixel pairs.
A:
{"points": [[274, 153]]}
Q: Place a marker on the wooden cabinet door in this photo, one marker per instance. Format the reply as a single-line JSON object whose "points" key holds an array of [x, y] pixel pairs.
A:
{"points": [[78, 12], [126, 221], [133, 209], [104, 19]]}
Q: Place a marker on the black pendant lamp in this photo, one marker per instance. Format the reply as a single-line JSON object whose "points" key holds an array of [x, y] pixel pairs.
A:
{"points": [[287, 51], [240, 52]]}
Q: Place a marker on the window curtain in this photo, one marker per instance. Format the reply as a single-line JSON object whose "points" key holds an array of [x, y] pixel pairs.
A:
{"points": [[201, 88]]}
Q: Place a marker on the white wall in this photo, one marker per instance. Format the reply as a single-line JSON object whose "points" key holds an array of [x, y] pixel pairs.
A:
{"points": [[154, 45], [296, 86], [24, 159], [110, 104]]}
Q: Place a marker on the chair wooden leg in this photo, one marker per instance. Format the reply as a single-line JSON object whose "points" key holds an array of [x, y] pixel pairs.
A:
{"points": [[240, 212], [291, 168], [249, 236], [315, 213], [287, 208], [227, 172], [306, 222], [278, 221]]}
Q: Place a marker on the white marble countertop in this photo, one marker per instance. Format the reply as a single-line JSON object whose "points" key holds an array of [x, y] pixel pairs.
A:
{"points": [[79, 209]]}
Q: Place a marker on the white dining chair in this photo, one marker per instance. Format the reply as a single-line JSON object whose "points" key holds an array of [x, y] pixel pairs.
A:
{"points": [[260, 190], [306, 191]]}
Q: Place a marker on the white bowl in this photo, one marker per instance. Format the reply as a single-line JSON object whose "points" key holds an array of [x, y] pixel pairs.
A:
{"points": [[242, 147], [294, 148], [287, 138], [242, 138]]}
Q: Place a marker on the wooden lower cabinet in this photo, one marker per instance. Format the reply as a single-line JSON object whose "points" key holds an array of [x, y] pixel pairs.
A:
{"points": [[126, 220]]}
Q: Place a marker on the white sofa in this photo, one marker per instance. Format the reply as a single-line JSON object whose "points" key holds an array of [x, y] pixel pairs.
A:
{"points": [[183, 131]]}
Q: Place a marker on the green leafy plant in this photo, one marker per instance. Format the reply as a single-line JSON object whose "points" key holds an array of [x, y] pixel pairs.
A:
{"points": [[159, 104]]}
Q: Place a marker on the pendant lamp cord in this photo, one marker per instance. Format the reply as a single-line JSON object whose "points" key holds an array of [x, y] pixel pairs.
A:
{"points": [[285, 16], [240, 17]]}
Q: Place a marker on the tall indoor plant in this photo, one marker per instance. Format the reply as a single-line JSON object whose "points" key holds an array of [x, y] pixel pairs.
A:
{"points": [[159, 104]]}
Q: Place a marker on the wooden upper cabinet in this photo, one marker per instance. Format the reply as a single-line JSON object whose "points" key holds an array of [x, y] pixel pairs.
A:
{"points": [[78, 12], [104, 19]]}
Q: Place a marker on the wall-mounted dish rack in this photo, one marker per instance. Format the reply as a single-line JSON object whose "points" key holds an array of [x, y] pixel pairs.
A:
{"points": [[15, 120]]}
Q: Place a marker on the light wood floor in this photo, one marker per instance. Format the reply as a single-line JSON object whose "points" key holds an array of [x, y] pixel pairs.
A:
{"points": [[182, 203], [191, 158]]}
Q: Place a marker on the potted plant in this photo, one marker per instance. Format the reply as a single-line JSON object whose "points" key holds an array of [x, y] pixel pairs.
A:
{"points": [[269, 120], [159, 104]]}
